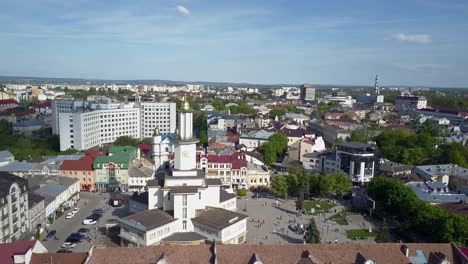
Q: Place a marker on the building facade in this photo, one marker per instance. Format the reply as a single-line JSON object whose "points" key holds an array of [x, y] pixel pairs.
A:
{"points": [[36, 211], [409, 104], [14, 207], [112, 170], [357, 160], [85, 124], [307, 92]]}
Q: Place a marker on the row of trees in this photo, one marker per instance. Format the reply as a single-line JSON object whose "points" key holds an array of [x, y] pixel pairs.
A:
{"points": [[275, 148], [41, 143], [129, 141], [397, 199], [241, 108], [423, 147]]}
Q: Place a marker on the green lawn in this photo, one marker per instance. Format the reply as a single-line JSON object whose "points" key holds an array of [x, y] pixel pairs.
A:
{"points": [[339, 219], [324, 205], [355, 233]]}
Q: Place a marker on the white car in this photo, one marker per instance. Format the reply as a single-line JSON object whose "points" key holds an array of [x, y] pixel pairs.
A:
{"points": [[75, 210], [89, 222], [70, 215], [68, 245]]}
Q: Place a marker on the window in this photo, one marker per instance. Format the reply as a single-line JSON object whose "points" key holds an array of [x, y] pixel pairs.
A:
{"points": [[184, 212], [199, 195], [184, 200], [184, 225], [168, 196]]}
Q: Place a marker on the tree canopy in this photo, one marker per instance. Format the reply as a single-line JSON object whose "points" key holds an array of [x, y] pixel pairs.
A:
{"points": [[279, 185], [275, 148], [395, 198], [312, 235]]}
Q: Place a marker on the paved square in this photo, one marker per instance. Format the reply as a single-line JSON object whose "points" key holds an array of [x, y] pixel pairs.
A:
{"points": [[269, 220]]}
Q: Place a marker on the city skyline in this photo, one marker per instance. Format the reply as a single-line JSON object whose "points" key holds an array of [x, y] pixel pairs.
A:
{"points": [[415, 43]]}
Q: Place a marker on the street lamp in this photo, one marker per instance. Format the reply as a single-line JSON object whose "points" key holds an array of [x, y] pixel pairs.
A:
{"points": [[245, 205]]}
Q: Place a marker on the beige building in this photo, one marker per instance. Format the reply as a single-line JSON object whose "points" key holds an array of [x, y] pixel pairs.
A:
{"points": [[81, 169], [257, 176]]}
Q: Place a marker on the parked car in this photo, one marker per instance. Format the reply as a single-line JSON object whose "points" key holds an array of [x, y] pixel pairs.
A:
{"points": [[99, 210], [73, 239], [112, 221], [89, 222], [293, 227], [68, 245], [83, 230], [70, 215], [51, 234], [64, 251], [75, 210]]}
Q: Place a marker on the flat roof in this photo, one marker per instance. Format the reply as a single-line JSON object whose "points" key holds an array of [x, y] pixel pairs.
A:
{"points": [[184, 237], [218, 218], [150, 219]]}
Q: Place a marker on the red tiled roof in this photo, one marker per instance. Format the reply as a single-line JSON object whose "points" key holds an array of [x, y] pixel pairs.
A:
{"points": [[94, 153], [239, 163], [83, 164], [43, 105], [145, 148], [464, 250], [8, 250], [52, 258], [8, 101]]}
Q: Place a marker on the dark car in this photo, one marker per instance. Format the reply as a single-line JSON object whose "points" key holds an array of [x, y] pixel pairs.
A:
{"points": [[98, 211], [83, 230], [77, 234], [293, 227], [73, 239], [51, 234], [64, 251]]}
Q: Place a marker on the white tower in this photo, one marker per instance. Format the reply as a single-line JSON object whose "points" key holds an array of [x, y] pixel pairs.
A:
{"points": [[185, 145]]}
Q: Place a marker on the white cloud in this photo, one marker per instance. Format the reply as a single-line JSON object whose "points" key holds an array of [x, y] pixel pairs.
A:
{"points": [[423, 67], [415, 38], [182, 10]]}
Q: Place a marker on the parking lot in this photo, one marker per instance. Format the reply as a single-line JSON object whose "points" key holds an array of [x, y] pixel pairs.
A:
{"points": [[97, 233]]}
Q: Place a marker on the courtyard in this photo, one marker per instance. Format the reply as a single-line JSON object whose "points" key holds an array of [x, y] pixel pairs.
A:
{"points": [[274, 221]]}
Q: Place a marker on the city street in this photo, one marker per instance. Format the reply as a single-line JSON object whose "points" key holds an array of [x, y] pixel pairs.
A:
{"points": [[88, 202], [268, 222]]}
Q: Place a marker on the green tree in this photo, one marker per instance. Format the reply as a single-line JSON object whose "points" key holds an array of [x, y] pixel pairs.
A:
{"points": [[312, 235], [269, 154], [279, 185], [277, 112], [319, 185], [125, 141], [301, 191], [339, 183], [37, 236], [279, 142], [292, 182], [242, 192], [384, 235], [218, 104]]}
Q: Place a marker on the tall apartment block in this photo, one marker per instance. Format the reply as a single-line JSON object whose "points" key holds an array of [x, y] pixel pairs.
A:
{"points": [[85, 124], [307, 92]]}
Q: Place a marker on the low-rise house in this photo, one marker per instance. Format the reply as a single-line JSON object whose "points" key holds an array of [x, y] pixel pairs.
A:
{"points": [[36, 211], [14, 207], [255, 139], [305, 145], [436, 193], [311, 162], [6, 157], [112, 169], [27, 127], [329, 133], [257, 176], [59, 192], [139, 173], [208, 108], [438, 172], [298, 118], [21, 252], [7, 103], [81, 169], [394, 169], [18, 168]]}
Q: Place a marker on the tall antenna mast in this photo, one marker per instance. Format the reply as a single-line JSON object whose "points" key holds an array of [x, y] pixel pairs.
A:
{"points": [[376, 85]]}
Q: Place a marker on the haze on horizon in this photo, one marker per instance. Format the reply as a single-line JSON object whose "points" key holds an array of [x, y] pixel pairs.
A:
{"points": [[408, 42]]}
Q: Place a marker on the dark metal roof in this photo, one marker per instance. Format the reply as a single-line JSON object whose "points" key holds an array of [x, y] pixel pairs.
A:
{"points": [[184, 237], [184, 189], [151, 219], [34, 199], [140, 198], [6, 179], [224, 196], [213, 182], [218, 218], [356, 145]]}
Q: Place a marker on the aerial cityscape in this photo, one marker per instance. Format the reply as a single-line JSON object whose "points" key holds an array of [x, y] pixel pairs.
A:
{"points": [[245, 132]]}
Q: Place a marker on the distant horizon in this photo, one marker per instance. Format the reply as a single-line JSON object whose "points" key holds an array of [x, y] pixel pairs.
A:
{"points": [[410, 42], [17, 78]]}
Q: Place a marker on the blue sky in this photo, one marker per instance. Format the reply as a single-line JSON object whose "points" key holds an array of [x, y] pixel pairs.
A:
{"points": [[412, 42]]}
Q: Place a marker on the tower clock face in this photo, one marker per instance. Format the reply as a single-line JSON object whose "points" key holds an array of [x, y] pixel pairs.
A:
{"points": [[185, 154]]}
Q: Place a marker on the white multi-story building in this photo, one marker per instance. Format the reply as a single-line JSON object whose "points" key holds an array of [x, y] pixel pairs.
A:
{"points": [[357, 160], [184, 206], [85, 124]]}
